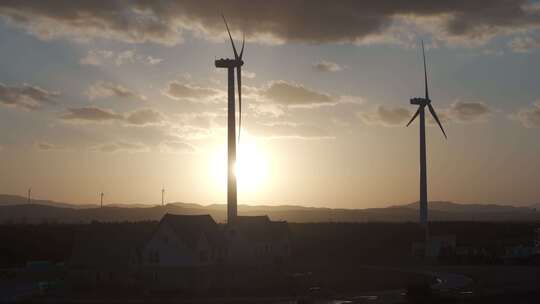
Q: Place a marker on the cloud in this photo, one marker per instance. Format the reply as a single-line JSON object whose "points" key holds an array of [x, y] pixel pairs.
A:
{"points": [[26, 96], [288, 130], [524, 44], [458, 112], [327, 66], [139, 117], [102, 89], [317, 21], [386, 116], [529, 118], [248, 74], [45, 146], [96, 57], [104, 57], [144, 117], [292, 94], [181, 91], [121, 146], [468, 111], [92, 114]]}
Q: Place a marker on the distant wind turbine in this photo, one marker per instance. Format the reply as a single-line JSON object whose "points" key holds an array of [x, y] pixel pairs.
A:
{"points": [[101, 199], [231, 65], [422, 103], [29, 196], [162, 196]]}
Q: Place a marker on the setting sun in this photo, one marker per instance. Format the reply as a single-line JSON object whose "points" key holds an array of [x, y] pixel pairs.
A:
{"points": [[251, 169]]}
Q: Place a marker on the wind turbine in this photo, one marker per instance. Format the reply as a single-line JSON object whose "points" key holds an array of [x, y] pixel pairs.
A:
{"points": [[29, 196], [162, 196], [422, 103], [101, 199], [231, 65]]}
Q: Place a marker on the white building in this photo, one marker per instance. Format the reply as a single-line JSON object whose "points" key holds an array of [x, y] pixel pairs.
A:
{"points": [[185, 241]]}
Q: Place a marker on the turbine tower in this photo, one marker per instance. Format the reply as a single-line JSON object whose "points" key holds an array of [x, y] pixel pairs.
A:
{"points": [[231, 65], [101, 199], [162, 196], [29, 196], [422, 103]]}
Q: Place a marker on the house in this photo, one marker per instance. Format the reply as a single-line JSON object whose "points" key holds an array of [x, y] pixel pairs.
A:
{"points": [[257, 241], [185, 241], [186, 253]]}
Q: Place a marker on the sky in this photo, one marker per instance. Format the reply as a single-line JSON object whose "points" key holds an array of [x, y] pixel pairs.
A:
{"points": [[123, 97]]}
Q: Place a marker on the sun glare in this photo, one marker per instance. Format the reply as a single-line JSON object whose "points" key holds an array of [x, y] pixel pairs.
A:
{"points": [[251, 167]]}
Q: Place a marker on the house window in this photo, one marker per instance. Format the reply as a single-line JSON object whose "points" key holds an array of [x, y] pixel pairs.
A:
{"points": [[203, 256]]}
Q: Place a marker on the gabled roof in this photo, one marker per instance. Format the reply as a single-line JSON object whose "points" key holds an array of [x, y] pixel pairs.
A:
{"points": [[259, 228], [189, 228]]}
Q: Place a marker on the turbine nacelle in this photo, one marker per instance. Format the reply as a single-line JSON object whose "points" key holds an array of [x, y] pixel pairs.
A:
{"points": [[228, 63], [420, 101]]}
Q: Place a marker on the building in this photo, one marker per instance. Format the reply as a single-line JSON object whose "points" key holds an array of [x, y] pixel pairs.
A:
{"points": [[185, 241], [257, 241], [188, 253]]}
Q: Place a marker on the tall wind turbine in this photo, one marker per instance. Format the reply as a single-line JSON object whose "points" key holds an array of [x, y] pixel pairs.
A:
{"points": [[231, 65], [29, 197], [422, 103], [101, 199]]}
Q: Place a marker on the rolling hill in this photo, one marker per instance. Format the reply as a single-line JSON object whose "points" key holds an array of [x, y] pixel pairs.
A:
{"points": [[14, 209]]}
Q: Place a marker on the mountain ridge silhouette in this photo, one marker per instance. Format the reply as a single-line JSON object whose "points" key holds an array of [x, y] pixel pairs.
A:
{"points": [[14, 209]]}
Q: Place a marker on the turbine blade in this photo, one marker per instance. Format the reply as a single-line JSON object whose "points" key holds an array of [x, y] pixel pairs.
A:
{"points": [[436, 119], [425, 71], [243, 43], [232, 42], [239, 76], [414, 116]]}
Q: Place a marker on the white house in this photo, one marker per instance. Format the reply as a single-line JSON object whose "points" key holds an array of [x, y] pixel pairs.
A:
{"points": [[185, 241]]}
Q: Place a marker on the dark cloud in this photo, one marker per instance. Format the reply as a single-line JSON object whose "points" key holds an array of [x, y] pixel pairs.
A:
{"points": [[529, 118], [327, 66], [386, 116], [102, 89], [313, 21], [144, 117], [26, 96], [45, 146], [91, 114], [138, 117], [291, 94], [122, 146], [468, 111], [176, 90]]}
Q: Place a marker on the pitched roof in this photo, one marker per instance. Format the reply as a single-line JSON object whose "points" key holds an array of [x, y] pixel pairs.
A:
{"points": [[260, 228], [190, 227]]}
